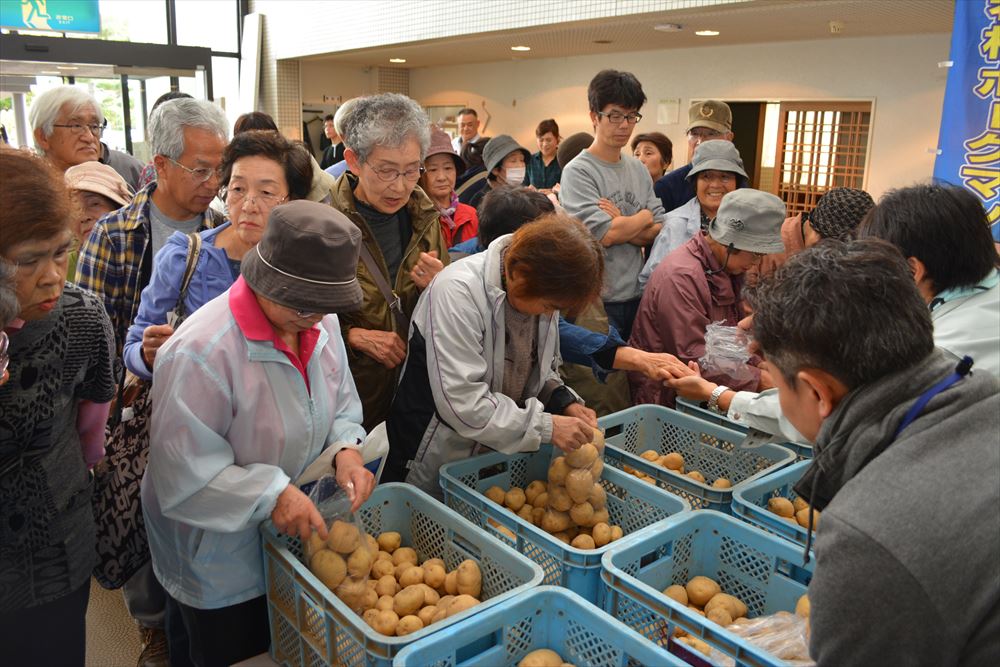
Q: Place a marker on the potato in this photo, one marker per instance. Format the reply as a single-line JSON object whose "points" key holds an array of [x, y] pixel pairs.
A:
{"points": [[451, 583], [601, 534], [596, 469], [431, 596], [719, 615], [598, 497], [555, 522], [598, 440], [600, 516], [543, 657], [578, 485], [802, 518], [383, 567], [526, 512], [386, 585], [616, 533], [672, 461], [532, 490], [558, 470], [404, 554], [370, 615], [371, 583], [368, 600], [470, 579], [559, 499], [678, 593], [408, 601], [408, 625], [496, 494], [426, 615], [402, 567], [536, 515], [802, 607], [359, 564], [354, 593], [411, 575], [386, 622], [313, 544], [798, 504], [696, 476], [781, 506], [695, 609], [722, 483], [541, 500], [697, 645], [582, 514], [562, 536], [344, 537], [583, 457], [329, 567], [514, 498], [583, 542], [434, 575], [385, 602], [650, 455], [389, 542], [372, 545], [461, 603], [701, 589], [730, 603]]}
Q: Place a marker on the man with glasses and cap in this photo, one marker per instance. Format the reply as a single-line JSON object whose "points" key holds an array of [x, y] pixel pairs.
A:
{"points": [[700, 283]]}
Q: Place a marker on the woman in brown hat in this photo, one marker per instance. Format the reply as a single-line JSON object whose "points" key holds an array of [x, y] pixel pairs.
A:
{"points": [[251, 390], [441, 168]]}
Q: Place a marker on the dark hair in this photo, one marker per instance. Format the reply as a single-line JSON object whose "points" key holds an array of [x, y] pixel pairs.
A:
{"points": [[291, 155], [572, 146], [467, 112], [943, 226], [547, 125], [328, 117], [559, 260], [255, 120], [505, 208], [167, 96], [662, 143], [613, 87], [848, 308], [36, 203]]}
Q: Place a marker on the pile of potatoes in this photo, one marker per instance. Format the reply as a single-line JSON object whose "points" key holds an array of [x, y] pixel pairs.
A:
{"points": [[673, 462], [795, 511], [382, 582], [543, 657]]}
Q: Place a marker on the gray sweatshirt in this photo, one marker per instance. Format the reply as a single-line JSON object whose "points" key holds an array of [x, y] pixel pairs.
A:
{"points": [[627, 185], [908, 548]]}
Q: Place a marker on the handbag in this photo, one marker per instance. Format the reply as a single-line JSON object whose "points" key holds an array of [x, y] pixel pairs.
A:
{"points": [[122, 546]]}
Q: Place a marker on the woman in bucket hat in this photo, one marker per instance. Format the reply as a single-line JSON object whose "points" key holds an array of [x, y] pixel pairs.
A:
{"points": [[442, 166], [252, 389], [700, 283], [506, 164]]}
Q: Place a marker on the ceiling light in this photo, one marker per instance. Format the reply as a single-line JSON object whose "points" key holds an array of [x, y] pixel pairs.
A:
{"points": [[397, 60], [51, 72], [668, 27], [520, 48], [706, 33], [66, 67]]}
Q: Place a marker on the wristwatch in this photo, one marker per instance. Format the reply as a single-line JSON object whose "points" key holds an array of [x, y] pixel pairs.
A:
{"points": [[713, 400]]}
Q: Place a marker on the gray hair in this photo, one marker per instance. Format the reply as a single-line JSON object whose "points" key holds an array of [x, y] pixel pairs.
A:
{"points": [[387, 120], [46, 107], [340, 118], [9, 307], [167, 123]]}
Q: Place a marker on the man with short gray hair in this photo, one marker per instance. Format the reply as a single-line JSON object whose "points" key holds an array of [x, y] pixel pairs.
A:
{"points": [[187, 138], [387, 138]]}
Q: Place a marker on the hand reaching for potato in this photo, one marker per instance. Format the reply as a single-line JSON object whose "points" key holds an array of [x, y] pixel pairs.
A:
{"points": [[569, 433], [295, 514]]}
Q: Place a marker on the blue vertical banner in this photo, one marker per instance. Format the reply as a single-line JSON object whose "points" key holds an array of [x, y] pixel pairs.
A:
{"points": [[969, 139]]}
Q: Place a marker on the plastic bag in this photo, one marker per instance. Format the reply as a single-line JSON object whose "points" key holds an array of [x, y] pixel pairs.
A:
{"points": [[784, 635], [727, 351], [344, 560]]}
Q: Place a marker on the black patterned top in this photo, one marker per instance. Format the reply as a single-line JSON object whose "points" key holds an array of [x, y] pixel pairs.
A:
{"points": [[46, 521]]}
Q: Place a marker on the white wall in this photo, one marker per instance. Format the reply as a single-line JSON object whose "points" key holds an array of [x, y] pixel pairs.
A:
{"points": [[333, 80], [899, 73]]}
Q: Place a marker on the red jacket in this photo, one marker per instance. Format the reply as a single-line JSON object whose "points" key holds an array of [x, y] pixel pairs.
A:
{"points": [[466, 226], [679, 302]]}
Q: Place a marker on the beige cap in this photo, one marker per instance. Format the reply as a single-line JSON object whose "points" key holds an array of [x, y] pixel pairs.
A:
{"points": [[712, 114], [99, 178]]}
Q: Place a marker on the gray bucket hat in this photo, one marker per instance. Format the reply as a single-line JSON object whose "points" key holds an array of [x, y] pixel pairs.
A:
{"points": [[307, 259], [749, 220], [718, 154], [500, 147]]}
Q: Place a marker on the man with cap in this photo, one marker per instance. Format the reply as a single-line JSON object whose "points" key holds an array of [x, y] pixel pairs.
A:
{"points": [[97, 190], [700, 283], [459, 221], [707, 121], [506, 163], [253, 389]]}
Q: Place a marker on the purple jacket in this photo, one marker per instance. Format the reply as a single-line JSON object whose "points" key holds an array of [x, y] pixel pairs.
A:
{"points": [[679, 302]]}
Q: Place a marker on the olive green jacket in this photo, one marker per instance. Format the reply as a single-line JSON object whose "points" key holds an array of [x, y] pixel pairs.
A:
{"points": [[376, 383]]}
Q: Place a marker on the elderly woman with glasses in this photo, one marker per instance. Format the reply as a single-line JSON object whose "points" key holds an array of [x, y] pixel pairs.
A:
{"points": [[261, 169], [52, 415], [248, 393]]}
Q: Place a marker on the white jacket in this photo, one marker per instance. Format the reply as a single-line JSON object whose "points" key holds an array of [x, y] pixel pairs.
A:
{"points": [[232, 425], [679, 226], [967, 322]]}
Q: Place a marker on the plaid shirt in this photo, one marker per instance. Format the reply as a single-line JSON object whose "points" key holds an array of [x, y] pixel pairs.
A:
{"points": [[110, 259]]}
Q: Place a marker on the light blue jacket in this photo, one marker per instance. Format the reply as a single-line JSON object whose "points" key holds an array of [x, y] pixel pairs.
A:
{"points": [[233, 424], [679, 227], [212, 276]]}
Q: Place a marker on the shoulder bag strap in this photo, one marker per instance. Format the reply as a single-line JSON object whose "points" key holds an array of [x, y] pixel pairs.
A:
{"points": [[395, 307], [194, 250]]}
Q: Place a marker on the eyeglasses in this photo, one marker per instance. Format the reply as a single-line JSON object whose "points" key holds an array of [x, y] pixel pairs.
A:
{"points": [[616, 117], [305, 314], [201, 174], [703, 133], [80, 128], [388, 175], [237, 196], [4, 357]]}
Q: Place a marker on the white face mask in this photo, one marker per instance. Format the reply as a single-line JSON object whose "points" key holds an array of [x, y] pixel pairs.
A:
{"points": [[515, 175]]}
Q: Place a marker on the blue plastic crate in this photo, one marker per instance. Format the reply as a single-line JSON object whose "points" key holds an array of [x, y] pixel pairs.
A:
{"points": [[699, 410], [632, 504], [311, 626], [545, 617], [750, 502], [707, 448], [765, 572]]}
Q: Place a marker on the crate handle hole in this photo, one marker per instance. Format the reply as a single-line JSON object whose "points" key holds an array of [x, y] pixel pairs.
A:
{"points": [[612, 431]]}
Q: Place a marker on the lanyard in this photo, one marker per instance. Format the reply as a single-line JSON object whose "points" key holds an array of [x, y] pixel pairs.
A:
{"points": [[961, 370]]}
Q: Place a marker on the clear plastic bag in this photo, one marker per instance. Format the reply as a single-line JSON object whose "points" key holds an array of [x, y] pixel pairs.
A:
{"points": [[784, 635], [727, 352], [576, 509], [343, 561]]}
